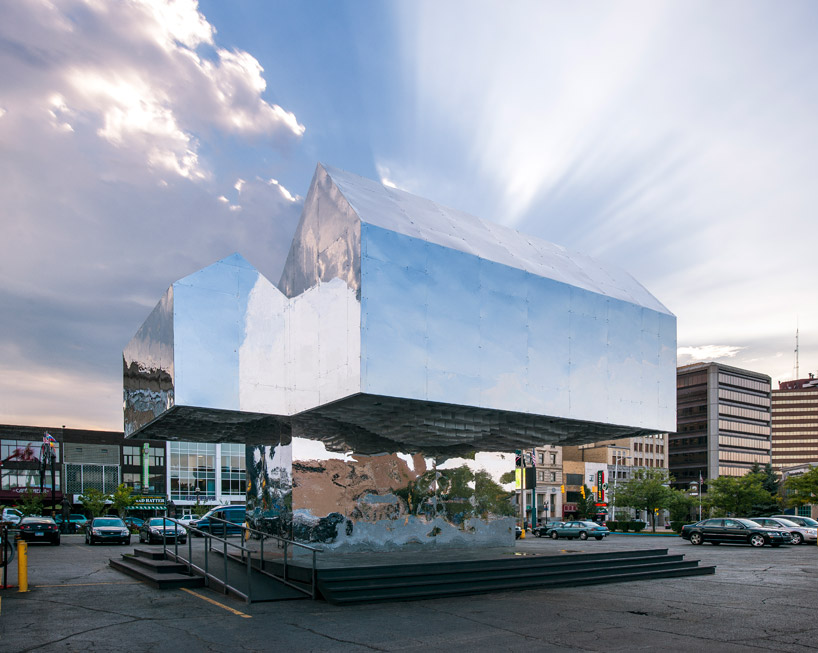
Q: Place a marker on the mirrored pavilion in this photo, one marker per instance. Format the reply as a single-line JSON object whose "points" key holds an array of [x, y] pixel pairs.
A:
{"points": [[407, 351]]}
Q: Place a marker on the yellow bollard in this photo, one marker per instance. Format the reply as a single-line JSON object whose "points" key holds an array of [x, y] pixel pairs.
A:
{"points": [[22, 566]]}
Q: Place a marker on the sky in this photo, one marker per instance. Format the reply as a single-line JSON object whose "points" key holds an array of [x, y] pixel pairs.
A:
{"points": [[142, 140]]}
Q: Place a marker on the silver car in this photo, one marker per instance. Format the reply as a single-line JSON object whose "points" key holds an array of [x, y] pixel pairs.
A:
{"points": [[799, 534]]}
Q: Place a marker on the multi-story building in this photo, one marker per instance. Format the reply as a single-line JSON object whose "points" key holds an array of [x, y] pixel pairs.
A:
{"points": [[617, 460], [185, 472], [723, 422], [795, 423], [549, 479]]}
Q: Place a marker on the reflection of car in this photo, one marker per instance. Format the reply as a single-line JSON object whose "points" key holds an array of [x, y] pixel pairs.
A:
{"points": [[159, 529], [39, 529], [235, 516], [544, 530], [133, 522], [75, 522], [11, 515], [579, 529], [808, 522], [734, 531], [798, 534], [517, 532], [107, 529]]}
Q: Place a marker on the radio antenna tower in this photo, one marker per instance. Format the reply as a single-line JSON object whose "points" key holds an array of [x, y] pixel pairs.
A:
{"points": [[797, 367]]}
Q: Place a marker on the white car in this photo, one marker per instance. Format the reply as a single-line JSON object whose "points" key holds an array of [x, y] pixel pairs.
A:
{"points": [[11, 515], [799, 534]]}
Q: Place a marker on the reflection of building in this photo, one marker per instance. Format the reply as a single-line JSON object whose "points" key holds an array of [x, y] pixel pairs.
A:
{"points": [[795, 423], [723, 422], [85, 459], [400, 328], [209, 473]]}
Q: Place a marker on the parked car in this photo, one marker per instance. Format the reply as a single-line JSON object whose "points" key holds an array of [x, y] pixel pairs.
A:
{"points": [[544, 530], [107, 529], [11, 515], [579, 529], [734, 531], [809, 522], [518, 531], [39, 529], [159, 529], [133, 522], [235, 516], [798, 534]]}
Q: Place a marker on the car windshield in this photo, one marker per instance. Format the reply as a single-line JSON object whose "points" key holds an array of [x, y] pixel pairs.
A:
{"points": [[159, 521], [79, 517], [37, 520], [109, 521], [787, 523], [749, 523]]}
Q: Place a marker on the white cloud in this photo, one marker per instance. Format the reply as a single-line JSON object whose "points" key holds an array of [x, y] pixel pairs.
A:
{"points": [[708, 352], [108, 190]]}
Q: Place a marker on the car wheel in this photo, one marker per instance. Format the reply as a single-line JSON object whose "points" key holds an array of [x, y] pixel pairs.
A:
{"points": [[583, 535], [797, 538], [555, 535], [757, 540], [696, 538], [598, 537]]}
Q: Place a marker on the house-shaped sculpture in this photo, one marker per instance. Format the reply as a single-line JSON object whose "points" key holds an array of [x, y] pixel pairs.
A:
{"points": [[408, 350]]}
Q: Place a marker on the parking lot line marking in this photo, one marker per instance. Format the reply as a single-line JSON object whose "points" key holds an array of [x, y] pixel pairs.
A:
{"points": [[221, 605], [126, 582]]}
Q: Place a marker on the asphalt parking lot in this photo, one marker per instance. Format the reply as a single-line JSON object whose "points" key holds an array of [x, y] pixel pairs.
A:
{"points": [[762, 599]]}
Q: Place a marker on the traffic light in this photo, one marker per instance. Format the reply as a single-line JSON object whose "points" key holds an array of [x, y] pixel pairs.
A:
{"points": [[582, 491], [562, 489]]}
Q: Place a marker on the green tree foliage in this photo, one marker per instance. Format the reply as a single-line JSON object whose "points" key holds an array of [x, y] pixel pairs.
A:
{"points": [[95, 501], [122, 499], [680, 506], [30, 504], [508, 477], [802, 489], [648, 489], [586, 508], [742, 496]]}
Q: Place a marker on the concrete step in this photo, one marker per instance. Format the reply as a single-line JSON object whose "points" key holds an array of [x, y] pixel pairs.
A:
{"points": [[158, 579]]}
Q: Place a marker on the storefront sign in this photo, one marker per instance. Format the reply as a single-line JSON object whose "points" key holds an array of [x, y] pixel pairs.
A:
{"points": [[152, 502]]}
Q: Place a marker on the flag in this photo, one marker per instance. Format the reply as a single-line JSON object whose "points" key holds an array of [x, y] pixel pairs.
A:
{"points": [[49, 440]]}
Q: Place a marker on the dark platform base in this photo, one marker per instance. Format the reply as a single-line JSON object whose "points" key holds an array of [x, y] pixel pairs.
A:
{"points": [[396, 582]]}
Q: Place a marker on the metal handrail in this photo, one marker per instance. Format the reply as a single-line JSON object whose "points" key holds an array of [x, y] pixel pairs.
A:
{"points": [[210, 537]]}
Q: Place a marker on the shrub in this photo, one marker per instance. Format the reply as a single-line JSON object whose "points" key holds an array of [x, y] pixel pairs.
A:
{"points": [[612, 525], [637, 526], [677, 525]]}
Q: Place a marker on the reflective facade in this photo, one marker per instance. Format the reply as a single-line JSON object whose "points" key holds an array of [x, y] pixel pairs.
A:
{"points": [[399, 328]]}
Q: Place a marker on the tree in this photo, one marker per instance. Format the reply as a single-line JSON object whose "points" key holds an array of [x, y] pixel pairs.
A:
{"points": [[679, 506], [30, 503], [648, 489], [586, 508], [95, 501], [741, 496], [122, 499], [802, 489]]}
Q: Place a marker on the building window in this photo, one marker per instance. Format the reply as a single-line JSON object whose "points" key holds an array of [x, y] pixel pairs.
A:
{"points": [[192, 467], [234, 477], [553, 458], [541, 458], [131, 456], [157, 457], [573, 479], [553, 476]]}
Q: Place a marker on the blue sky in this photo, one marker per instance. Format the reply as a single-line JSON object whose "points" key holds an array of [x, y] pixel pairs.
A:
{"points": [[141, 141]]}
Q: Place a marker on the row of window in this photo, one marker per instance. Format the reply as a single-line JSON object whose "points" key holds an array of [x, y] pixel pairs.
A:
{"points": [[649, 448], [742, 397], [133, 456], [545, 477], [741, 457], [744, 443], [26, 478], [800, 393], [812, 401], [649, 462], [741, 427], [804, 449], [686, 380], [9, 447], [746, 413], [741, 382], [802, 409]]}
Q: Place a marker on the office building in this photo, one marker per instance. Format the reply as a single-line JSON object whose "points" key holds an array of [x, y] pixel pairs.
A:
{"points": [[795, 423], [723, 423]]}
